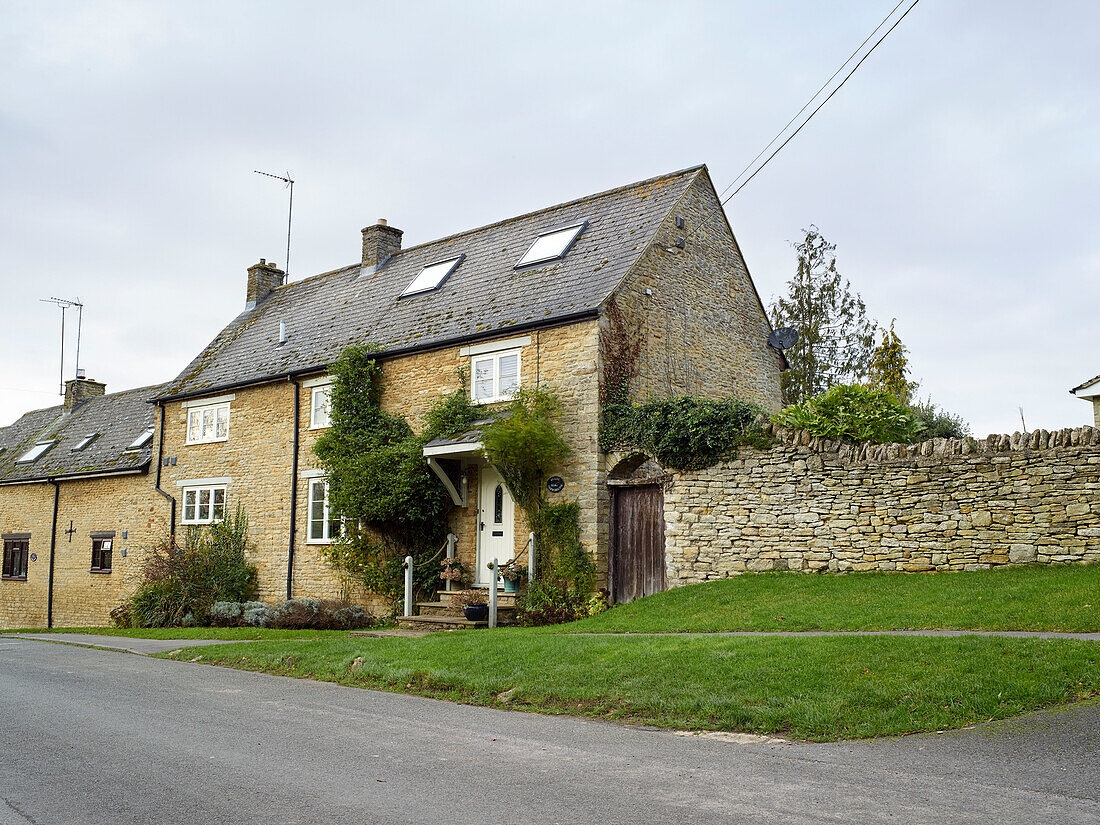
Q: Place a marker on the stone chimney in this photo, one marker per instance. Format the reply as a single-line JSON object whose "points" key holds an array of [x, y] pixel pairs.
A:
{"points": [[79, 390], [379, 243], [262, 280]]}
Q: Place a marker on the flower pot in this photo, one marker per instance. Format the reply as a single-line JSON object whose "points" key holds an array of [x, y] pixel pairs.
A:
{"points": [[511, 586], [477, 612]]}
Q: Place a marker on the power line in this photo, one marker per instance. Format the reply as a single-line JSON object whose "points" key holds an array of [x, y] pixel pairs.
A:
{"points": [[826, 100], [813, 97]]}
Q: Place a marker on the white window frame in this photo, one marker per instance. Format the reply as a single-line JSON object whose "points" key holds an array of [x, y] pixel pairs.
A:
{"points": [[436, 273], [197, 491], [495, 358], [321, 390], [200, 412], [142, 441], [326, 536]]}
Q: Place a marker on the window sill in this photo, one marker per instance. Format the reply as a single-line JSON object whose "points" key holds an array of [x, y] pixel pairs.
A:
{"points": [[319, 426], [206, 441], [100, 571], [13, 578], [319, 541], [499, 399]]}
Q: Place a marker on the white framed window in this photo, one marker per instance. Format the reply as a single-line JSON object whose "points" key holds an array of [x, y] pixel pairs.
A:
{"points": [[323, 525], [85, 441], [320, 404], [552, 244], [495, 376], [203, 505], [209, 423]]}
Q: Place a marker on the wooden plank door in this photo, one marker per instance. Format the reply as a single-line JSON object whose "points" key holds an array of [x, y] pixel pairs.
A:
{"points": [[637, 542]]}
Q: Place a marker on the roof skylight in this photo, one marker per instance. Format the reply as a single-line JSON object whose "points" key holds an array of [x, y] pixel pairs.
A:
{"points": [[141, 441], [35, 452], [432, 276], [552, 245], [85, 441]]}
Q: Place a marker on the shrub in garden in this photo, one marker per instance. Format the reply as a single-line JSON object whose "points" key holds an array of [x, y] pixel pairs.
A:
{"points": [[851, 412], [181, 581]]}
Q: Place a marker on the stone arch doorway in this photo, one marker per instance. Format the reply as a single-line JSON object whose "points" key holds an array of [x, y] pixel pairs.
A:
{"points": [[636, 561]]}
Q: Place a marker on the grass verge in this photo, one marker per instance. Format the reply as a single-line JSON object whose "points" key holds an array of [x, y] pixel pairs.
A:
{"points": [[227, 633], [1018, 598], [817, 689]]}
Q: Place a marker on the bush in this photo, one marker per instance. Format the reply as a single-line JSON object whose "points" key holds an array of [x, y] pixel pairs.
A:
{"points": [[851, 412], [547, 602], [683, 433], [294, 614], [939, 423], [524, 444], [182, 581]]}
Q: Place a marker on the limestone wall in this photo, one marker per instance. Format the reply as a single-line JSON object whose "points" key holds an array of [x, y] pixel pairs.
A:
{"points": [[814, 505]]}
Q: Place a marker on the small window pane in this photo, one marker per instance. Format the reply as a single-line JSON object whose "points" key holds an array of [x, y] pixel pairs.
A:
{"points": [[222, 430], [498, 505], [204, 504], [321, 399], [207, 424], [194, 425], [550, 246], [189, 505], [317, 510], [509, 374], [483, 379], [218, 512]]}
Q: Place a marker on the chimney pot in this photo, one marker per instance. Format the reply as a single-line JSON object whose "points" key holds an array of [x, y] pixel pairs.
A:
{"points": [[380, 242], [262, 280], [79, 390]]}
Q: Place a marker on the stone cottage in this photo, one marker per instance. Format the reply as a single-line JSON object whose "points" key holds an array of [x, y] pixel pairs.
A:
{"points": [[521, 302]]}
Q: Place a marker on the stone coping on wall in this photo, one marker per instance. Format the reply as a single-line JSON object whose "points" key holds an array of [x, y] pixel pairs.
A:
{"points": [[935, 447]]}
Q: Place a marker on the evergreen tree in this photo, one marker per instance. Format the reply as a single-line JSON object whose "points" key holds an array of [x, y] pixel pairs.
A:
{"points": [[835, 337], [890, 365]]}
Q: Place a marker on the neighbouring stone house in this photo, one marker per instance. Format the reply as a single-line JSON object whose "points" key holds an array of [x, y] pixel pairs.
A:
{"points": [[523, 302], [76, 506], [1090, 391]]}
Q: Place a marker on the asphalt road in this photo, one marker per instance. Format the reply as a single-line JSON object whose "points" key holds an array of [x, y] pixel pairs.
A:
{"points": [[92, 736]]}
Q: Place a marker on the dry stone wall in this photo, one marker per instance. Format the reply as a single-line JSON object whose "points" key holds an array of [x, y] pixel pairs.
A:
{"points": [[814, 505]]}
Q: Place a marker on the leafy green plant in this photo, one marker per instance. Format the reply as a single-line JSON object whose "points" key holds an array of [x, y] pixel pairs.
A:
{"points": [[392, 503], [524, 444], [548, 602], [851, 412], [182, 580], [938, 423], [683, 432]]}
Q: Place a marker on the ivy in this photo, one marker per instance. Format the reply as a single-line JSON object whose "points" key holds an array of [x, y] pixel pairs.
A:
{"points": [[392, 504], [683, 433]]}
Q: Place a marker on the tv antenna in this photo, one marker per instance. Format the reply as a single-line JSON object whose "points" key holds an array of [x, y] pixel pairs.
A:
{"points": [[64, 304], [289, 212]]}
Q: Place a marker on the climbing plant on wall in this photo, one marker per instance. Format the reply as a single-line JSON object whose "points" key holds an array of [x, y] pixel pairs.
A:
{"points": [[391, 503]]}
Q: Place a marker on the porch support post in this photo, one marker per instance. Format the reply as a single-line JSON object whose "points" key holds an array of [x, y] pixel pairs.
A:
{"points": [[493, 595], [531, 555], [408, 585]]}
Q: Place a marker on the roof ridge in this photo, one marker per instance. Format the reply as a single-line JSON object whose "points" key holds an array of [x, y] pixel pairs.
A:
{"points": [[349, 267], [534, 212]]}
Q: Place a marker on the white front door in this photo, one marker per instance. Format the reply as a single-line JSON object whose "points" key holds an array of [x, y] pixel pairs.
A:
{"points": [[496, 523]]}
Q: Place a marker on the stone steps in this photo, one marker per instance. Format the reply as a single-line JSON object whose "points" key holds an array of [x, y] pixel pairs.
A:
{"points": [[433, 624]]}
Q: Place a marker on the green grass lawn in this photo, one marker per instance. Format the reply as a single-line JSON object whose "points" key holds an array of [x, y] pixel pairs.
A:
{"points": [[1018, 598], [227, 633], [818, 688]]}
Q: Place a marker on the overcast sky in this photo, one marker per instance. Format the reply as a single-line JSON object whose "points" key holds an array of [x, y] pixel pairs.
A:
{"points": [[957, 172]]}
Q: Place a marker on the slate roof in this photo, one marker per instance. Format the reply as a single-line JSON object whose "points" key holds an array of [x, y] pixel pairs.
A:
{"points": [[1088, 383], [119, 418], [484, 295]]}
